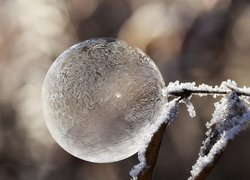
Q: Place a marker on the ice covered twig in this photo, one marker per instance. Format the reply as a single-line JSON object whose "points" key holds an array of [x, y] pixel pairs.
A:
{"points": [[230, 117], [187, 89]]}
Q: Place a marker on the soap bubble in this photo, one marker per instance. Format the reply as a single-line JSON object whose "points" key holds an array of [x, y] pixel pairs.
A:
{"points": [[99, 97]]}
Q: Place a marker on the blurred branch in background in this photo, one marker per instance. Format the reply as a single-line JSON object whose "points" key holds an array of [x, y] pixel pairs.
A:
{"points": [[203, 41]]}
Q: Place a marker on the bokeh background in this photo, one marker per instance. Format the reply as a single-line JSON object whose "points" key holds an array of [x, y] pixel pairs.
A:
{"points": [[206, 41]]}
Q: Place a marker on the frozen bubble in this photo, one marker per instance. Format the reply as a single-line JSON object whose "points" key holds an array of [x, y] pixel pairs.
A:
{"points": [[99, 97]]}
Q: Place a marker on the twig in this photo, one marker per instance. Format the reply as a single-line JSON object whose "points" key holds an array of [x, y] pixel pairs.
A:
{"points": [[184, 93], [185, 90]]}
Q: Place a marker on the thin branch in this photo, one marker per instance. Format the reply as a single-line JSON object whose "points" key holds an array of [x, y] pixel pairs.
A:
{"points": [[185, 90], [184, 93]]}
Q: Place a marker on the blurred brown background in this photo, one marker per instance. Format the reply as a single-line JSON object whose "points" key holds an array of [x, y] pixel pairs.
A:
{"points": [[189, 40]]}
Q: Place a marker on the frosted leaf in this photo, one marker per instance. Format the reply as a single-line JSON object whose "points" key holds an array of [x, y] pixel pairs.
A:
{"points": [[168, 113], [99, 97], [227, 112], [230, 117]]}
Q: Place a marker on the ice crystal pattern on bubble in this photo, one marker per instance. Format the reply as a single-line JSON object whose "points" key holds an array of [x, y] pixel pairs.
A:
{"points": [[99, 98]]}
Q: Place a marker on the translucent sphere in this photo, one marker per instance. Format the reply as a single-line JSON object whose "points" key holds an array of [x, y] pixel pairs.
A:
{"points": [[99, 97]]}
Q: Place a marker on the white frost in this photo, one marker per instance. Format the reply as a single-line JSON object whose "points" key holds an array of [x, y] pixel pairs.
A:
{"points": [[190, 107], [230, 117], [226, 86], [168, 113]]}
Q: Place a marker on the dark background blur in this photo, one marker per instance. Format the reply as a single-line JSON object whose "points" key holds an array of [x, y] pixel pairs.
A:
{"points": [[189, 40]]}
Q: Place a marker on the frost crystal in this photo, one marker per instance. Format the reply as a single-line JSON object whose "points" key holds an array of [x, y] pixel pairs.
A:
{"points": [[168, 112], [225, 86], [229, 118], [190, 107]]}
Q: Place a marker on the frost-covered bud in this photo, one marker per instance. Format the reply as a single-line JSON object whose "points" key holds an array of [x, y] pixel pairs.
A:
{"points": [[99, 97]]}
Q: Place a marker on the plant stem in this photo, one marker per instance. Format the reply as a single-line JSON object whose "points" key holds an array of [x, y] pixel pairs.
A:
{"points": [[152, 153], [184, 93]]}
